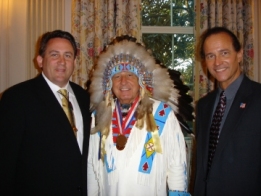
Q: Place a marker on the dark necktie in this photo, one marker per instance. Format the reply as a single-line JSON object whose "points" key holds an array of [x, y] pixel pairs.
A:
{"points": [[68, 109], [215, 126]]}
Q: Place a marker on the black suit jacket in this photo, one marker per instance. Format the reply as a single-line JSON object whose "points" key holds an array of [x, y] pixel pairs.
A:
{"points": [[39, 154], [236, 166]]}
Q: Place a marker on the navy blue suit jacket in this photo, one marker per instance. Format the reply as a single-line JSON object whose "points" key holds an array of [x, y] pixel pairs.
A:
{"points": [[39, 154], [236, 166]]}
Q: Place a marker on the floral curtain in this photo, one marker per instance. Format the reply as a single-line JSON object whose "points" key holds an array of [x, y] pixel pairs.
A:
{"points": [[95, 23], [236, 15]]}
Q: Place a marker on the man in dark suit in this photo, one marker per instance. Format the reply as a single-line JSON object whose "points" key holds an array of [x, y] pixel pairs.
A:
{"points": [[41, 152], [231, 164]]}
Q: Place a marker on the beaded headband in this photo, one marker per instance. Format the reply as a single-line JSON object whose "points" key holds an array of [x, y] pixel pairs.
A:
{"points": [[126, 62]]}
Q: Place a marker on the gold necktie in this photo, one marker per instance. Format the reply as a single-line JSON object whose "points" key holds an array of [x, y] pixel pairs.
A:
{"points": [[68, 108]]}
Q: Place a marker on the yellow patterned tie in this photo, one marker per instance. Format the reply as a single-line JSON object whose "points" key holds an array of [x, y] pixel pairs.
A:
{"points": [[68, 109]]}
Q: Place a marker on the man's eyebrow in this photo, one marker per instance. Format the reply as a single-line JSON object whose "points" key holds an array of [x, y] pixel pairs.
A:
{"points": [[208, 53], [52, 51], [222, 50], [67, 52]]}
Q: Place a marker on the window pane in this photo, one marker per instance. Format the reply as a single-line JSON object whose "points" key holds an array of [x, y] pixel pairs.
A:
{"points": [[168, 13], [183, 13], [175, 51]]}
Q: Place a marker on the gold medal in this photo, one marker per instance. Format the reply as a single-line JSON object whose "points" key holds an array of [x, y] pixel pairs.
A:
{"points": [[121, 142]]}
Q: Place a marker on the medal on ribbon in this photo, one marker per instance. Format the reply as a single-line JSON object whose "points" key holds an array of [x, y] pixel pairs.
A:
{"points": [[121, 128]]}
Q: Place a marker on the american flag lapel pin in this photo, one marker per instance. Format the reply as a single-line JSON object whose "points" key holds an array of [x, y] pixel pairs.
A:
{"points": [[242, 105]]}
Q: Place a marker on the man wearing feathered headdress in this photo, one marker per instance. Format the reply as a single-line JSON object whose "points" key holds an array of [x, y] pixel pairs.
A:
{"points": [[137, 146]]}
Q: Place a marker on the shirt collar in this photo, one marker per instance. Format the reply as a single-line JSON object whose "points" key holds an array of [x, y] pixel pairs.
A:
{"points": [[231, 90], [55, 88]]}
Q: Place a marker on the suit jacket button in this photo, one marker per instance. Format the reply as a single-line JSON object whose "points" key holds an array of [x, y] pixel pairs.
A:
{"points": [[79, 188]]}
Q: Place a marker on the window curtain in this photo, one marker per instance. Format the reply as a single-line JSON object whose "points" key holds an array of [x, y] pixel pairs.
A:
{"points": [[235, 15], [95, 23]]}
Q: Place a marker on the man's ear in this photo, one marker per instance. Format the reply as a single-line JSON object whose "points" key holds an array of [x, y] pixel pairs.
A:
{"points": [[39, 60], [240, 55]]}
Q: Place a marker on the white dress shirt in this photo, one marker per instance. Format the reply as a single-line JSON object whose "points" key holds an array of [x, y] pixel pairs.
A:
{"points": [[76, 109]]}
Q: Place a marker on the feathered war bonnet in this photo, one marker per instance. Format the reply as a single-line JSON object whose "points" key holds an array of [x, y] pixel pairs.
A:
{"points": [[124, 53]]}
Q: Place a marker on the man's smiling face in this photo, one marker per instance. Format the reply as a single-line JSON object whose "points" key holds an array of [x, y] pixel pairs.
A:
{"points": [[125, 86], [221, 58]]}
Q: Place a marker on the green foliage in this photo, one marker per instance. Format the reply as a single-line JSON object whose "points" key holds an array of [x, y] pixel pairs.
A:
{"points": [[168, 13], [176, 51]]}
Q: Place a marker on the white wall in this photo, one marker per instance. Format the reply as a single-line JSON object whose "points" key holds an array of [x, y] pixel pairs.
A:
{"points": [[13, 42], [16, 60]]}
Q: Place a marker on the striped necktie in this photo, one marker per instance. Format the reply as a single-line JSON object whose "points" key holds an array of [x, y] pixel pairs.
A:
{"points": [[215, 126]]}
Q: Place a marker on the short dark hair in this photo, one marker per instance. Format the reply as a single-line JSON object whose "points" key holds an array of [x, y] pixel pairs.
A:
{"points": [[56, 34], [216, 30]]}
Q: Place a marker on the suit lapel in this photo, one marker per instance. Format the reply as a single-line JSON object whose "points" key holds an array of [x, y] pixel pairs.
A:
{"points": [[56, 112], [234, 116], [207, 113], [84, 107]]}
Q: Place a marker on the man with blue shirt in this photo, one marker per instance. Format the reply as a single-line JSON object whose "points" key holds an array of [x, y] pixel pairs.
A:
{"points": [[228, 128]]}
